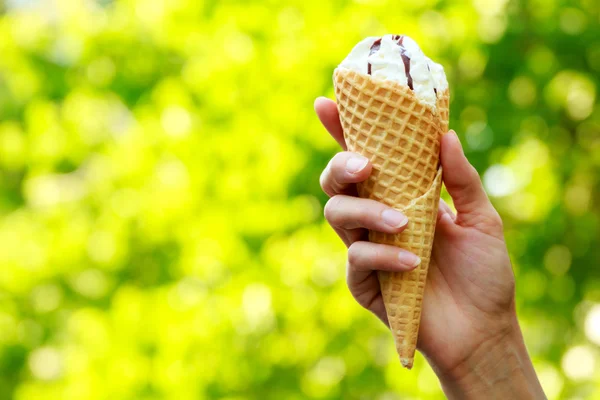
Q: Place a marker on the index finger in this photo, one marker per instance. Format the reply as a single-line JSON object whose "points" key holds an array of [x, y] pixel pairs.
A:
{"points": [[327, 112]]}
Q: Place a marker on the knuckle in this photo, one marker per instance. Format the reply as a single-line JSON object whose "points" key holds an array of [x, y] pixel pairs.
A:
{"points": [[337, 168], [338, 163], [377, 256], [365, 215], [331, 208], [329, 183], [324, 180], [353, 256]]}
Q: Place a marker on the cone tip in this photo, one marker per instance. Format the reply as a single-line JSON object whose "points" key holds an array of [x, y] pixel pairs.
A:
{"points": [[406, 362]]}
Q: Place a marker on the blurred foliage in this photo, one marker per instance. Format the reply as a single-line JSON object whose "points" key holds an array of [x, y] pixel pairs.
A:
{"points": [[161, 230]]}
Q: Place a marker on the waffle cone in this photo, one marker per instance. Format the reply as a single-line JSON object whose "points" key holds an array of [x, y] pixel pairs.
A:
{"points": [[385, 122]]}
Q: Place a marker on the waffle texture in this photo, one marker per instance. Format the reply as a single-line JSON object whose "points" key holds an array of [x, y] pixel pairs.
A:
{"points": [[384, 121]]}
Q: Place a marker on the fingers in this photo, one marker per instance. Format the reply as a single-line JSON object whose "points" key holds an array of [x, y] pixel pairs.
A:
{"points": [[444, 208], [348, 212], [364, 260], [464, 185], [366, 257], [327, 112], [445, 212], [460, 177], [344, 170], [367, 293]]}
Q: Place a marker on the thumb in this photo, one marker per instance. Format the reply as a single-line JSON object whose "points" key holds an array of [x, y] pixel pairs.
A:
{"points": [[473, 207]]}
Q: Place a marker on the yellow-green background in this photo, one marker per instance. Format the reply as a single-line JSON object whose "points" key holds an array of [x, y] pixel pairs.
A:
{"points": [[161, 229]]}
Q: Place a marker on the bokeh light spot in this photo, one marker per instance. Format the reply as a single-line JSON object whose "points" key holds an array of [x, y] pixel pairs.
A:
{"points": [[256, 303], [150, 12], [435, 24], [491, 7], [541, 60], [557, 259], [46, 363], [534, 284], [101, 71], [102, 246], [173, 174], [592, 324], [522, 91], [577, 199], [499, 180], [176, 121], [46, 298], [551, 380], [580, 101], [492, 28], [239, 47], [8, 327], [12, 146], [573, 91], [472, 62], [479, 136], [327, 373], [572, 21], [90, 283], [579, 363]]}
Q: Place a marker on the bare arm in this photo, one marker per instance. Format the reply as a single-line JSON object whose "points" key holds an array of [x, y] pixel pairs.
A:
{"points": [[498, 369]]}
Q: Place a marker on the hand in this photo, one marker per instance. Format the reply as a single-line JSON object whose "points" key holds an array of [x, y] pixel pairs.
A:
{"points": [[468, 305]]}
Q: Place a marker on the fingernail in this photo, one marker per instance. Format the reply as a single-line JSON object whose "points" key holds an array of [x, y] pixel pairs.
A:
{"points": [[456, 139], [394, 218], [409, 259], [356, 164], [453, 135]]}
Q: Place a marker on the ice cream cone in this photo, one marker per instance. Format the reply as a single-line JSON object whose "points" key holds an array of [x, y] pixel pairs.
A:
{"points": [[385, 122]]}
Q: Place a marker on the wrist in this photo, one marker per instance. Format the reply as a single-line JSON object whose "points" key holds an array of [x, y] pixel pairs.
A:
{"points": [[499, 368]]}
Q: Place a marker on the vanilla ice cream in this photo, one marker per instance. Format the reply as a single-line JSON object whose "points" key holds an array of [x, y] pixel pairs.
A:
{"points": [[399, 58]]}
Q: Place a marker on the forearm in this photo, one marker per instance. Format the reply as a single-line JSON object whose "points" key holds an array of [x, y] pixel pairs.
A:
{"points": [[499, 369]]}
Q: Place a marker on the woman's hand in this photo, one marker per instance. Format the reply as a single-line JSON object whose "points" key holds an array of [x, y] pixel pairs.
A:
{"points": [[468, 307]]}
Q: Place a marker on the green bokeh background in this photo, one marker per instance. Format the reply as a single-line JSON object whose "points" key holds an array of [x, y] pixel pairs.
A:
{"points": [[161, 229]]}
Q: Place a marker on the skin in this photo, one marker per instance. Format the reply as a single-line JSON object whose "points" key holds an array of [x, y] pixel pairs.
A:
{"points": [[469, 331]]}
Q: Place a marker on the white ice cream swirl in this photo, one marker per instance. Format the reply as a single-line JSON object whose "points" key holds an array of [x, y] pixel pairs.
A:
{"points": [[399, 58]]}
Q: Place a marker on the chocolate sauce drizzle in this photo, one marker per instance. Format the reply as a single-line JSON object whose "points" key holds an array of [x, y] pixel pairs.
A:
{"points": [[405, 59], [374, 47]]}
